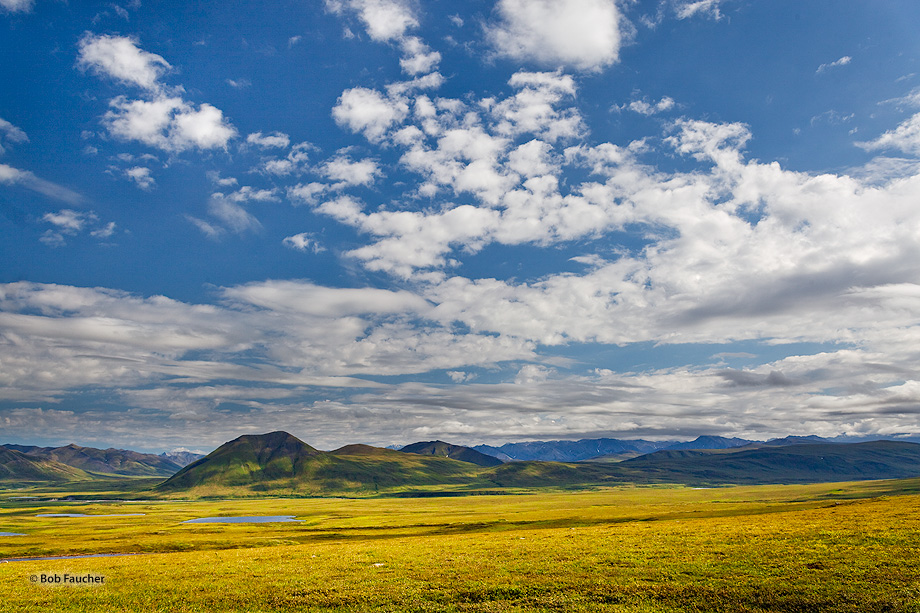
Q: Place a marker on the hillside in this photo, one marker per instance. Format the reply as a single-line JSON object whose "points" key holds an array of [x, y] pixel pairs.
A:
{"points": [[16, 467], [283, 464], [454, 452], [121, 462]]}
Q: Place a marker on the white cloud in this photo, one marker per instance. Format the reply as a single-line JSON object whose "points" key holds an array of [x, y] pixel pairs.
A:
{"points": [[835, 64], [11, 134], [239, 83], [104, 232], [164, 120], [644, 107], [16, 6], [277, 140], [303, 242], [120, 58], [231, 214], [368, 111], [686, 9], [295, 162], [349, 173], [170, 124], [308, 193], [906, 138], [418, 58], [141, 176], [583, 34], [68, 220], [384, 20], [15, 176]]}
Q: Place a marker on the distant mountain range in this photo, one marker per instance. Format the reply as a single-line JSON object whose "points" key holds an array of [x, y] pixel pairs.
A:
{"points": [[278, 463], [103, 461]]}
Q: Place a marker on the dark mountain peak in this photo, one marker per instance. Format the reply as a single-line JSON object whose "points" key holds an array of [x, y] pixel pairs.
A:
{"points": [[454, 452], [711, 442]]}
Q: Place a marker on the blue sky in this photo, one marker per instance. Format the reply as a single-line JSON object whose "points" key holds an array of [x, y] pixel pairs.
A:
{"points": [[385, 221]]}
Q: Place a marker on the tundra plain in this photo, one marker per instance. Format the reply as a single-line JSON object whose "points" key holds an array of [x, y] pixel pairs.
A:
{"points": [[816, 547]]}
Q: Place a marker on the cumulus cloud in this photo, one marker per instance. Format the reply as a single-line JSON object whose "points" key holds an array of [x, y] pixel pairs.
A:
{"points": [[644, 107], [582, 34], [275, 140], [120, 58], [141, 176], [906, 138], [368, 111], [163, 120], [389, 21], [348, 173], [169, 123]]}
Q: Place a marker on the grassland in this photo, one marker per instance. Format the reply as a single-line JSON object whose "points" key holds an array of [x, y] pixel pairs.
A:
{"points": [[833, 547]]}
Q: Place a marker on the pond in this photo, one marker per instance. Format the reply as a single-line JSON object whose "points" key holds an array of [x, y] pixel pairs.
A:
{"points": [[243, 519], [12, 534]]}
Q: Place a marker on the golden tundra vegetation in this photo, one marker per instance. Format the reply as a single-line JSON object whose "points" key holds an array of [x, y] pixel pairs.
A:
{"points": [[818, 547]]}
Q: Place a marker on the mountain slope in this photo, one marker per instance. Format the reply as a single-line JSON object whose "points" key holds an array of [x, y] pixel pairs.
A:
{"points": [[454, 452], [16, 466], [108, 461]]}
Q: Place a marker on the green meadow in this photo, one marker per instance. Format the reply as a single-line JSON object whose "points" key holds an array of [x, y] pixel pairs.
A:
{"points": [[825, 547]]}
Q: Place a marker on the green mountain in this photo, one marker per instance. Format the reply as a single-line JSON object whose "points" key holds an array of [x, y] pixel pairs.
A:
{"points": [[103, 461], [454, 452], [283, 464], [17, 467]]}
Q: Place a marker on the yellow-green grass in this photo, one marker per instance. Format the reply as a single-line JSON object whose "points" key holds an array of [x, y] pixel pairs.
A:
{"points": [[831, 547]]}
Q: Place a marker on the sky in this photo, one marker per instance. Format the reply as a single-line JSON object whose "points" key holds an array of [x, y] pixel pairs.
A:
{"points": [[388, 221]]}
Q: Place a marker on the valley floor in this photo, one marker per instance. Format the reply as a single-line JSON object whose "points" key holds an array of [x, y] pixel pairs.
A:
{"points": [[831, 547]]}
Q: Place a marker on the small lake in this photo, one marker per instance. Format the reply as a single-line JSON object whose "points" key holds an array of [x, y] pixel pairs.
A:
{"points": [[242, 519], [12, 534], [85, 515]]}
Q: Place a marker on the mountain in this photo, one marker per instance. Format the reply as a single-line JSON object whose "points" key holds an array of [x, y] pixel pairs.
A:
{"points": [[711, 442], [796, 440], [280, 463], [16, 466], [454, 452], [104, 461], [182, 458], [571, 451], [795, 463]]}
